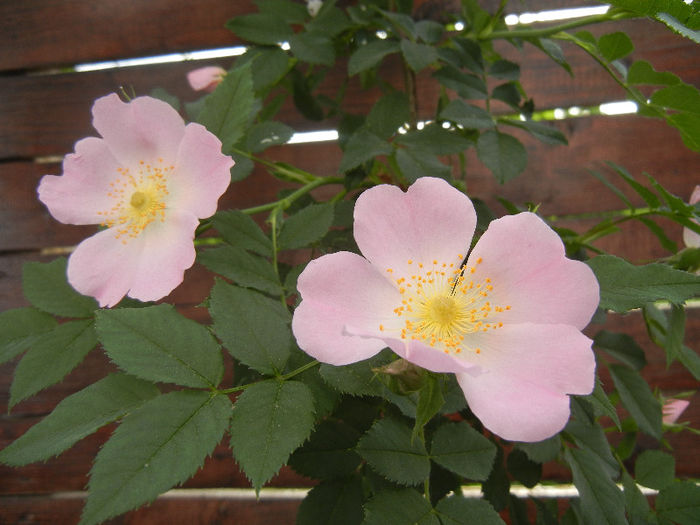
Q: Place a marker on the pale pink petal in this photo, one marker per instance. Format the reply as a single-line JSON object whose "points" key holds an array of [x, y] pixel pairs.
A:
{"points": [[202, 173], [526, 370], [525, 261], [80, 195], [431, 221], [342, 295], [672, 410], [428, 357], [144, 129], [205, 78], [148, 267], [690, 238]]}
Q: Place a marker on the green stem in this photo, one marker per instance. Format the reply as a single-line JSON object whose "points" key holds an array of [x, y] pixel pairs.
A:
{"points": [[283, 377], [552, 30]]}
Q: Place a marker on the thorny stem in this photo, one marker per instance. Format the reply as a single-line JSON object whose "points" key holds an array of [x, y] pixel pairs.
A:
{"points": [[282, 377]]}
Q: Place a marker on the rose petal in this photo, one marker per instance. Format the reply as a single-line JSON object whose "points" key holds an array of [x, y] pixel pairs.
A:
{"points": [[202, 173], [205, 78], [428, 357], [143, 129], [525, 260], [690, 238], [80, 195], [431, 221], [342, 295]]}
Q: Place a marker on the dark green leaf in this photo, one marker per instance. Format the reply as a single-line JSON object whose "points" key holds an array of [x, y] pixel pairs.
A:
{"points": [[19, 328], [314, 48], [592, 437], [507, 93], [456, 510], [542, 132], [388, 449], [252, 327], [369, 55], [503, 154], [159, 344], [679, 503], [293, 13], [638, 399], [553, 50], [238, 229], [270, 419], [429, 31], [330, 21], [403, 23], [466, 85], [622, 347], [523, 469], [691, 361], [266, 28], [159, 445], [636, 502], [471, 117], [227, 110], [268, 64], [361, 147], [329, 452], [399, 507], [414, 165], [689, 126], [306, 226], [46, 287], [238, 265], [242, 168], [602, 404], [52, 355], [624, 286], [542, 451], [335, 502], [389, 114], [77, 416], [602, 502], [496, 488], [265, 134], [357, 378], [418, 56], [505, 70], [430, 401], [434, 140], [463, 450], [614, 46], [655, 469]]}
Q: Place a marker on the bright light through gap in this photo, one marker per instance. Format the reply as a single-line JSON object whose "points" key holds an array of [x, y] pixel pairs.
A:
{"points": [[163, 59], [313, 136], [554, 15], [618, 108]]}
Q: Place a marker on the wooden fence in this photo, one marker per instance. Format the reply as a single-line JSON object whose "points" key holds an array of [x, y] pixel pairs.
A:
{"points": [[45, 108]]}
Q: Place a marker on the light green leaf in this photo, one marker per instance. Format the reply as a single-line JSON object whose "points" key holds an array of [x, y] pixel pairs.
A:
{"points": [[159, 344], [389, 114], [624, 286], [52, 355], [314, 48], [602, 502], [238, 265], [418, 56], [306, 226], [614, 46], [681, 97], [638, 399], [399, 507], [362, 146], [369, 55], [157, 446], [642, 72], [389, 450], [252, 327], [334, 502], [655, 469], [227, 110], [679, 503], [77, 416], [503, 154], [46, 287], [238, 229], [329, 452], [267, 28], [19, 328], [471, 117], [677, 26], [456, 510], [462, 450], [270, 419]]}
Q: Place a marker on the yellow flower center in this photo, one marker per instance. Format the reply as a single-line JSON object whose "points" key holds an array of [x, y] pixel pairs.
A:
{"points": [[139, 199], [442, 304]]}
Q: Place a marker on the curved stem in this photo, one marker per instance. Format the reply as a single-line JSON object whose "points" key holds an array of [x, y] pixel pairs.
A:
{"points": [[552, 30]]}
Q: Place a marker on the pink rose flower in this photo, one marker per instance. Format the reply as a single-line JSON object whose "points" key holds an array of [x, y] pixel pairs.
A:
{"points": [[672, 410], [206, 78], [690, 238], [507, 323], [149, 180]]}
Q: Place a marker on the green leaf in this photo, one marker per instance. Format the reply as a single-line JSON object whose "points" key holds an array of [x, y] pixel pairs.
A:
{"points": [[399, 507], [675, 25], [691, 361], [614, 46], [456, 510], [329, 452], [471, 117], [624, 286], [265, 134], [679, 503], [429, 31], [542, 132], [52, 355], [496, 488], [462, 450], [157, 446], [265, 28], [20, 328], [238, 229], [601, 501], [642, 72], [418, 56], [389, 114], [592, 437], [622, 347], [334, 502], [508, 93], [369, 55], [635, 501], [681, 97], [505, 70], [434, 140], [359, 378], [252, 327], [77, 416], [503, 154], [330, 21], [227, 110], [655, 469], [268, 65], [602, 404], [466, 85], [306, 226], [415, 164], [430, 401], [242, 168], [46, 287], [159, 344], [314, 48], [270, 419], [361, 147], [523, 469], [238, 265], [638, 399], [388, 449]]}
